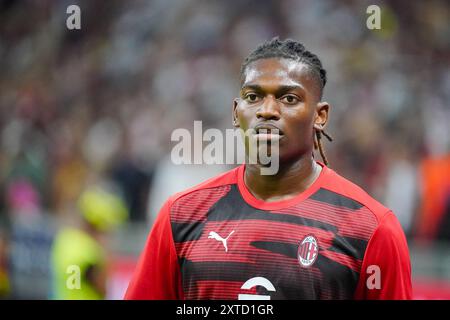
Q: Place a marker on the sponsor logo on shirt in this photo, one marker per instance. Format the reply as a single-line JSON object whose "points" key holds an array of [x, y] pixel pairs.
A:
{"points": [[256, 281]]}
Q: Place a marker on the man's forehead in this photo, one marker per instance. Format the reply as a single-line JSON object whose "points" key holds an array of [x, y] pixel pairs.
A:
{"points": [[287, 71]]}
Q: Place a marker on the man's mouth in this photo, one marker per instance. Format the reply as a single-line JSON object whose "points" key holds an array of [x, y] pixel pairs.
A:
{"points": [[267, 132]]}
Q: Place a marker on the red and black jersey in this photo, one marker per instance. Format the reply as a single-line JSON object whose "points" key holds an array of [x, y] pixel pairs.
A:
{"points": [[217, 241]]}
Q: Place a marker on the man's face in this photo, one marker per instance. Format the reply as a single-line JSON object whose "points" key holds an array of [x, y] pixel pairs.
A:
{"points": [[284, 95]]}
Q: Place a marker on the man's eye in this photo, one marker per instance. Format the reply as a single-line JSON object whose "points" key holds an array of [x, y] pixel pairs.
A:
{"points": [[290, 99], [251, 97]]}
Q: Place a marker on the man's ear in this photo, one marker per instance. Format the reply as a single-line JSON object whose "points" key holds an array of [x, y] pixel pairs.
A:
{"points": [[235, 117], [321, 116]]}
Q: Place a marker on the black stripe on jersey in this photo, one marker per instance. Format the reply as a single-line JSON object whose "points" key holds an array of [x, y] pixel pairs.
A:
{"points": [[352, 247], [233, 207], [214, 270], [335, 199], [285, 218], [327, 266], [334, 282], [187, 231], [286, 249], [344, 285]]}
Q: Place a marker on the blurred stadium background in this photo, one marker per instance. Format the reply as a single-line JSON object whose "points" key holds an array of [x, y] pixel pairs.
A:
{"points": [[79, 108]]}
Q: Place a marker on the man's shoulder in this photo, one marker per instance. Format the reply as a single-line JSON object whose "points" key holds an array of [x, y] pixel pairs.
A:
{"points": [[354, 193], [209, 186]]}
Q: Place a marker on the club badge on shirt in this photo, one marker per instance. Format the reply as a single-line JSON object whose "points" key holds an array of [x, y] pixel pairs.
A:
{"points": [[308, 250]]}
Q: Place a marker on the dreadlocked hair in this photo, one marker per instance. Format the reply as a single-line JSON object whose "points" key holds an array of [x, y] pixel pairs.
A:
{"points": [[318, 144], [294, 50], [288, 49]]}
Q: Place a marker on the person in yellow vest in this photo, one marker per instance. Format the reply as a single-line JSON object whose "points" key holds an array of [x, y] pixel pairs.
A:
{"points": [[5, 288], [78, 257]]}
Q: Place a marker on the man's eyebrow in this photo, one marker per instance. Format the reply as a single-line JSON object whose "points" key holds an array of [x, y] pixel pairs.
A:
{"points": [[253, 87], [280, 90]]}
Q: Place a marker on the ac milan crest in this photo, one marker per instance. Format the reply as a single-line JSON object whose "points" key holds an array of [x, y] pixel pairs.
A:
{"points": [[308, 251]]}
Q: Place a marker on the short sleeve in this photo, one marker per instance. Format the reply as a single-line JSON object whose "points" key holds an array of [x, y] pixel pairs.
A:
{"points": [[157, 275], [386, 268]]}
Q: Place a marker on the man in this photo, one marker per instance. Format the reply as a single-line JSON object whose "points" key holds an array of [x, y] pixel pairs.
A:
{"points": [[79, 257], [302, 233]]}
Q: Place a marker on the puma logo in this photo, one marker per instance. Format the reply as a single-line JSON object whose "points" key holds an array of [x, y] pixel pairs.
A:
{"points": [[215, 235]]}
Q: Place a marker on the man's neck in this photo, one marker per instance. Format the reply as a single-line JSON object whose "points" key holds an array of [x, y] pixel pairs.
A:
{"points": [[291, 180]]}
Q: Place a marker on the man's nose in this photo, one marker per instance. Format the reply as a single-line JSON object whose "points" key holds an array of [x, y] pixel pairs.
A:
{"points": [[269, 109]]}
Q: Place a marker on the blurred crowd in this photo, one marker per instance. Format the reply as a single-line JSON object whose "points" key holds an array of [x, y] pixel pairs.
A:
{"points": [[97, 106]]}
